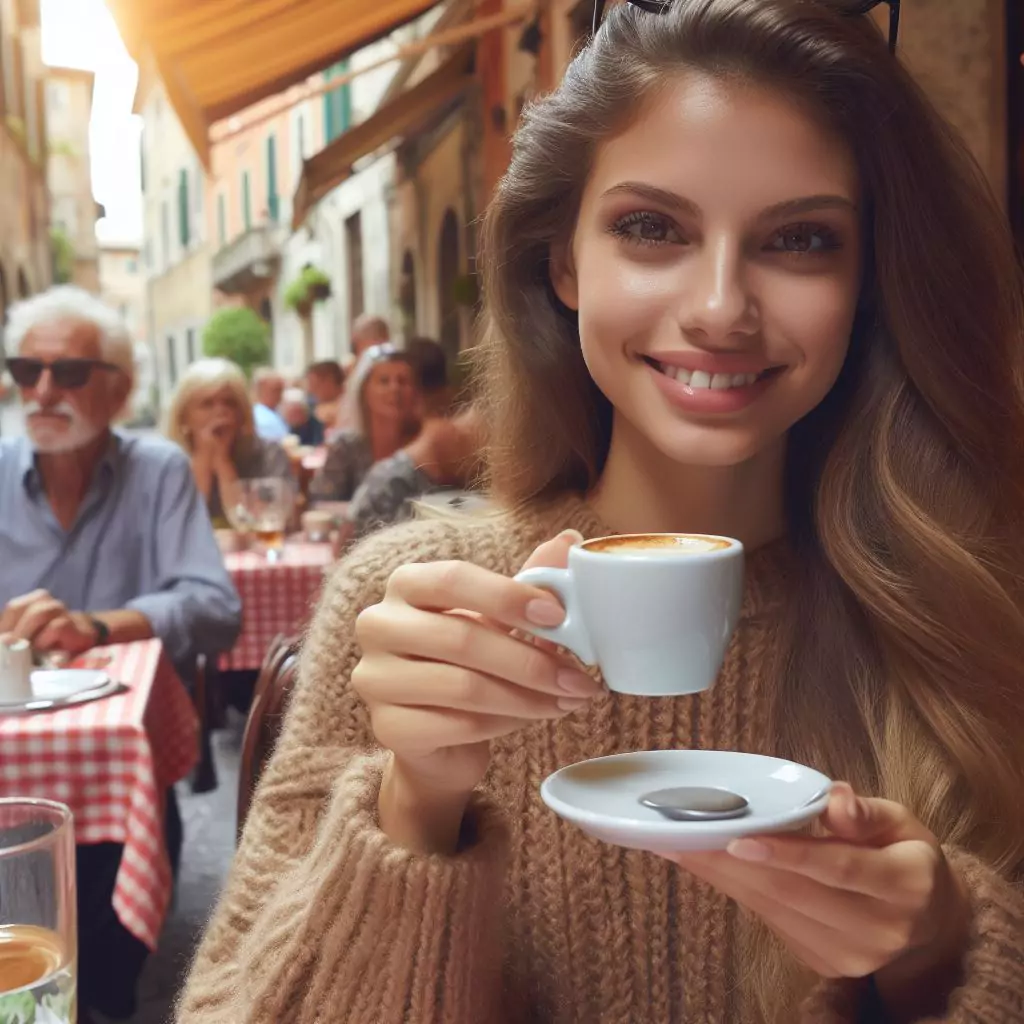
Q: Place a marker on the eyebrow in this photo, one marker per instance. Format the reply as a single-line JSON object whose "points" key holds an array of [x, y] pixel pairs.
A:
{"points": [[787, 208]]}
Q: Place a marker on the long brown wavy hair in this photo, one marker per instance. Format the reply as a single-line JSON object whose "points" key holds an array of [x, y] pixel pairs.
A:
{"points": [[901, 644]]}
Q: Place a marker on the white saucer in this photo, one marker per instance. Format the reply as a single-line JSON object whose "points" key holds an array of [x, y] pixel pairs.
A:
{"points": [[602, 797], [62, 683]]}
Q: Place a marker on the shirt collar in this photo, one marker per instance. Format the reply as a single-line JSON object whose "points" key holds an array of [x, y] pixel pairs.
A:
{"points": [[29, 475]]}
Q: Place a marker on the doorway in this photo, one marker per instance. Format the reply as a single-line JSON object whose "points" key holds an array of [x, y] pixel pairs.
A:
{"points": [[447, 282]]}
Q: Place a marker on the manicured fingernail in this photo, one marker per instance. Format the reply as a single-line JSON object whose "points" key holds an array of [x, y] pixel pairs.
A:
{"points": [[572, 535], [542, 612], [573, 681], [749, 849], [572, 703]]}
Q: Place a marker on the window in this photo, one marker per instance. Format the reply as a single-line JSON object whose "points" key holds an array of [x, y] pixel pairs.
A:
{"points": [[273, 201], [165, 234], [172, 361], [222, 220], [190, 344], [246, 202], [131, 265], [184, 211], [199, 189], [57, 95], [142, 160], [337, 104], [354, 253]]}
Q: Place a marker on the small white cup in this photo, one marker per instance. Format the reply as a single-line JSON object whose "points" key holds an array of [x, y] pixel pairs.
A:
{"points": [[656, 612], [15, 671]]}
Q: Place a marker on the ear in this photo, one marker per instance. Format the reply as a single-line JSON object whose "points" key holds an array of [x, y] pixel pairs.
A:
{"points": [[562, 269]]}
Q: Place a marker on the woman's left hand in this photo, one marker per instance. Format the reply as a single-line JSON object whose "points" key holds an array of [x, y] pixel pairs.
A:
{"points": [[876, 896]]}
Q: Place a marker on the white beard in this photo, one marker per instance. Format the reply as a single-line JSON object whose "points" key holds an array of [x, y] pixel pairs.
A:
{"points": [[56, 440]]}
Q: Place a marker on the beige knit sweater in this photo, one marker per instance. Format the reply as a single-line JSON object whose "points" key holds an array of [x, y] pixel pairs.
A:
{"points": [[325, 921]]}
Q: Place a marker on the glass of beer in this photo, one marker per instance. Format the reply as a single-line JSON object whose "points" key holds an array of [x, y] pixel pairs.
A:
{"points": [[38, 937], [262, 507]]}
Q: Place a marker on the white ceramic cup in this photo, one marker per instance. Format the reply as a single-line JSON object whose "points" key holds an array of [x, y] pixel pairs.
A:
{"points": [[15, 671], [654, 611]]}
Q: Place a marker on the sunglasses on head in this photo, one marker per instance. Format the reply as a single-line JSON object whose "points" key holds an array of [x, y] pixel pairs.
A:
{"points": [[69, 374], [849, 7]]}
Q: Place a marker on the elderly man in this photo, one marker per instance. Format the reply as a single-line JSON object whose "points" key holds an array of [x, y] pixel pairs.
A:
{"points": [[103, 539], [267, 389]]}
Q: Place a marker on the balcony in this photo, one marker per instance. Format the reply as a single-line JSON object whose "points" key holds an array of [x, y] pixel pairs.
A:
{"points": [[251, 261]]}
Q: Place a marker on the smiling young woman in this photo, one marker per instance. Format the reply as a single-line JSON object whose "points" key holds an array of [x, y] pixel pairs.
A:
{"points": [[740, 279]]}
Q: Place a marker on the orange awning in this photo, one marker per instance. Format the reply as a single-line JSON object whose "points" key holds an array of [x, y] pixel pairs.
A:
{"points": [[217, 57], [401, 115]]}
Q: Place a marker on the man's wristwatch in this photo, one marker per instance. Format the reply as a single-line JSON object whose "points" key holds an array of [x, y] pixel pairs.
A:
{"points": [[101, 629]]}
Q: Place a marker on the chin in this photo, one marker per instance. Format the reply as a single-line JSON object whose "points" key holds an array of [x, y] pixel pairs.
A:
{"points": [[710, 447]]}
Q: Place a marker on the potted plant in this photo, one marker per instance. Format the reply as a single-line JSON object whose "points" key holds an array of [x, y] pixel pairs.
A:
{"points": [[310, 287], [240, 334]]}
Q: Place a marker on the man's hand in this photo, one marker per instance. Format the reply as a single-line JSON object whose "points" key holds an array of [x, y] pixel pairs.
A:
{"points": [[47, 624]]}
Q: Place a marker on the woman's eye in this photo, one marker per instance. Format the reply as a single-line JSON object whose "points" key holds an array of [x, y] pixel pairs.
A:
{"points": [[646, 228], [804, 240]]}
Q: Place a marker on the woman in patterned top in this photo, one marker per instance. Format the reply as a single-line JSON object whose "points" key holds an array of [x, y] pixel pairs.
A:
{"points": [[380, 403], [211, 418]]}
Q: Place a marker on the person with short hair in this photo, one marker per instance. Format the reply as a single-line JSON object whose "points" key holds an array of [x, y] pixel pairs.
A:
{"points": [[103, 539], [301, 422], [212, 419], [369, 330], [267, 388], [325, 383]]}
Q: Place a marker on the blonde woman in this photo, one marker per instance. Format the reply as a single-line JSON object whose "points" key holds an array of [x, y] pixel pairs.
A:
{"points": [[211, 417]]}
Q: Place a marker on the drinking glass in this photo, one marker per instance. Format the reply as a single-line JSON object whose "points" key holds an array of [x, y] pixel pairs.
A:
{"points": [[38, 937], [261, 507]]}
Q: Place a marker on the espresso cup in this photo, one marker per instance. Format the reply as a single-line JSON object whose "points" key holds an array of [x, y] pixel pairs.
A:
{"points": [[654, 611], [15, 671]]}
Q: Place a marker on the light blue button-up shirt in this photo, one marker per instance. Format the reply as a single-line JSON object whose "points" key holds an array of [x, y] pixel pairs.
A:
{"points": [[142, 541], [270, 425]]}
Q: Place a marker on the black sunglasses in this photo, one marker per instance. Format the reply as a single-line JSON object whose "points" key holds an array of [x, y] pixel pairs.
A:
{"points": [[849, 7], [68, 374]]}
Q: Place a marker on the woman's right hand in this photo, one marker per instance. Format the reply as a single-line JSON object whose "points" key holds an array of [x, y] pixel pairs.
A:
{"points": [[443, 674]]}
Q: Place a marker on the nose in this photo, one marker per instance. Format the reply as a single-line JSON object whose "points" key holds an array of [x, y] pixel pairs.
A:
{"points": [[45, 391], [717, 307]]}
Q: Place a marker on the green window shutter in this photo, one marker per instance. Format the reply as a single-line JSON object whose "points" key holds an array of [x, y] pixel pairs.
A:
{"points": [[246, 202], [343, 101], [273, 206], [222, 220], [328, 101], [183, 208]]}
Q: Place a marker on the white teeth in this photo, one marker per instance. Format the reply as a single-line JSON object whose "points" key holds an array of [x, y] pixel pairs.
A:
{"points": [[701, 379]]}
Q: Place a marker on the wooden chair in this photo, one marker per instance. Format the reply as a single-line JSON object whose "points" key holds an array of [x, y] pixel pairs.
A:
{"points": [[204, 778], [273, 687]]}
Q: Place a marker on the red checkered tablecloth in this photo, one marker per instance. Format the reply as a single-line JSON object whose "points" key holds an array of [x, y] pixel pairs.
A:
{"points": [[277, 597], [111, 761]]}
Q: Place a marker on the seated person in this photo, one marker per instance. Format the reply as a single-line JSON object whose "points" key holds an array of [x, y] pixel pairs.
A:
{"points": [[212, 419], [444, 454], [301, 422], [325, 384], [267, 388], [381, 402], [103, 539]]}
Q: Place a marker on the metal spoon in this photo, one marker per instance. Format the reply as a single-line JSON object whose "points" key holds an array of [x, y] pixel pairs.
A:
{"points": [[696, 803], [706, 803]]}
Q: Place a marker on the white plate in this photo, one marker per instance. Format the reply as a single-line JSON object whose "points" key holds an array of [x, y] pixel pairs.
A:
{"points": [[62, 683], [602, 797]]}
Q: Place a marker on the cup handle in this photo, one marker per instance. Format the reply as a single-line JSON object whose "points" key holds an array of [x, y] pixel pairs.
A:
{"points": [[571, 633]]}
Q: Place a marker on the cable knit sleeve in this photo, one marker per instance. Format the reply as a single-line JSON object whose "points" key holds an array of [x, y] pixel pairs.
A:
{"points": [[323, 918], [993, 988]]}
